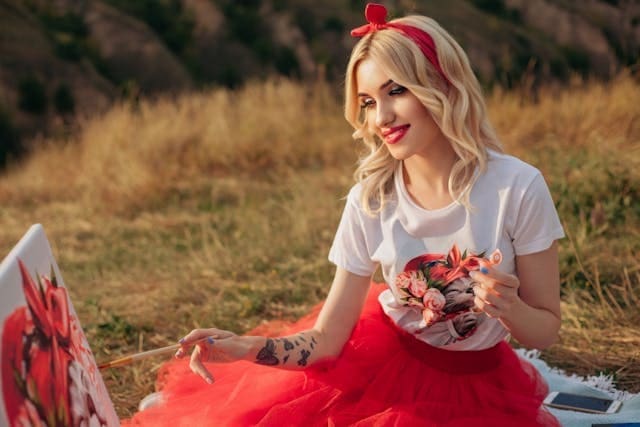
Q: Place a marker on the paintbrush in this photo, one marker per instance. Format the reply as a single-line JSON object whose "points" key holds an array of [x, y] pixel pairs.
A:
{"points": [[140, 356], [150, 353]]}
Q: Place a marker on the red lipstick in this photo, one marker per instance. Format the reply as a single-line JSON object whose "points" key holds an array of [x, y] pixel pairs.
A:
{"points": [[394, 134]]}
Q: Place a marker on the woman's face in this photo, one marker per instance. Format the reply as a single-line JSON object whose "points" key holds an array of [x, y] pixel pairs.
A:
{"points": [[395, 114]]}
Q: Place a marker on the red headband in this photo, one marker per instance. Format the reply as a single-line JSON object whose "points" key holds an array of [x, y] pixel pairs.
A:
{"points": [[376, 15]]}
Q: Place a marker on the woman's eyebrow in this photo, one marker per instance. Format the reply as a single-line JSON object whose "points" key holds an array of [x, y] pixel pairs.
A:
{"points": [[385, 84]]}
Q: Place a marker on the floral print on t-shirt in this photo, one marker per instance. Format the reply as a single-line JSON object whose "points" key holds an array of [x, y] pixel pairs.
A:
{"points": [[439, 287]]}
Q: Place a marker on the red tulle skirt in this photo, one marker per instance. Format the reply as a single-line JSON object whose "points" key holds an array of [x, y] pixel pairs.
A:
{"points": [[384, 377]]}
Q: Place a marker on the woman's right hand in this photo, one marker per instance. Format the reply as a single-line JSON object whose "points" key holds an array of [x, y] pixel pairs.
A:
{"points": [[211, 345]]}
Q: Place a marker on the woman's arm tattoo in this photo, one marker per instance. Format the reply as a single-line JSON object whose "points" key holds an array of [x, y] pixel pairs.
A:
{"points": [[287, 344], [273, 348], [304, 355], [267, 354]]}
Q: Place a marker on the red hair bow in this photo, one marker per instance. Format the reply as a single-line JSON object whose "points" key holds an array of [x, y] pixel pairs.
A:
{"points": [[376, 15]]}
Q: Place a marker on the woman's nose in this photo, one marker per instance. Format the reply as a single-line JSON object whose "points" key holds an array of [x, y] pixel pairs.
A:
{"points": [[384, 114]]}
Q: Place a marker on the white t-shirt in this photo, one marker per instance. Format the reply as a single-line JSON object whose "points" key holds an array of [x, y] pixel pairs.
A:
{"points": [[513, 213]]}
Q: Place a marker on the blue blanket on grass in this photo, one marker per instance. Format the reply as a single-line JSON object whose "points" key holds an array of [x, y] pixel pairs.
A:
{"points": [[596, 386]]}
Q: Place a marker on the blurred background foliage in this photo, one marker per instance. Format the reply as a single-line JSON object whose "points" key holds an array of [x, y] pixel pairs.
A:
{"points": [[60, 59]]}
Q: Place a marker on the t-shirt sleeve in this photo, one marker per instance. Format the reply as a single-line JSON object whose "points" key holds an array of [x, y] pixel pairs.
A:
{"points": [[349, 249], [537, 224]]}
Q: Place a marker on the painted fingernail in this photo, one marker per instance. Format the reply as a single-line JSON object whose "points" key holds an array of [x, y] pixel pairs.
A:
{"points": [[210, 340], [181, 340], [484, 270]]}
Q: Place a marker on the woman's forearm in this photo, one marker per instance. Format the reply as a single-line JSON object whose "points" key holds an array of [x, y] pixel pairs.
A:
{"points": [[321, 343], [532, 327], [292, 352]]}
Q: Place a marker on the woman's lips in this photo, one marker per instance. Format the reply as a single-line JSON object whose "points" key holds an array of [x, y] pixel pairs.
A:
{"points": [[393, 135]]}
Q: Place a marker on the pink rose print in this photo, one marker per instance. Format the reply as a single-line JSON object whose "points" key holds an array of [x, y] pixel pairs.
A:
{"points": [[417, 285], [430, 317], [433, 300], [440, 287], [403, 280]]}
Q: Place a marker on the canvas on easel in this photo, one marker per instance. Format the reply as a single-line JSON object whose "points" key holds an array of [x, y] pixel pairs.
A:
{"points": [[48, 373]]}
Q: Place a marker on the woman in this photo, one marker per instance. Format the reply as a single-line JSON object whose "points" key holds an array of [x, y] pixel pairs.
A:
{"points": [[465, 237]]}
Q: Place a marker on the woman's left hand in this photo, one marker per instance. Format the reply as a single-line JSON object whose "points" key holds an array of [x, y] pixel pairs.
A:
{"points": [[496, 292], [210, 345]]}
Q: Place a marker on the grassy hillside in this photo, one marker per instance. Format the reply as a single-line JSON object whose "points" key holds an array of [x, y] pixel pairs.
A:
{"points": [[63, 60], [218, 208]]}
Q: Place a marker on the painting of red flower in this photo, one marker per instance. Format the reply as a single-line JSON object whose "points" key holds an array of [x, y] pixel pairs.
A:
{"points": [[48, 372]]}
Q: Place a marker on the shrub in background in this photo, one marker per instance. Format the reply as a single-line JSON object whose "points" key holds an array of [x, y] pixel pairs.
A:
{"points": [[32, 96]]}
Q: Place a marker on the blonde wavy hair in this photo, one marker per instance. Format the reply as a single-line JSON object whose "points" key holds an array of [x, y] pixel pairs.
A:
{"points": [[457, 107]]}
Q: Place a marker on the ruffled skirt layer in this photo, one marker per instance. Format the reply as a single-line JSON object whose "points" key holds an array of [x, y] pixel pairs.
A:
{"points": [[384, 377]]}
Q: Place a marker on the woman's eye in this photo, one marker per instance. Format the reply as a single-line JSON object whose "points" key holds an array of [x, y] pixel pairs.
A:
{"points": [[397, 90], [367, 103]]}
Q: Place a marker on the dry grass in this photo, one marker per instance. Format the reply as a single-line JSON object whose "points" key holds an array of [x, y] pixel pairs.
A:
{"points": [[219, 208], [600, 331], [134, 154]]}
